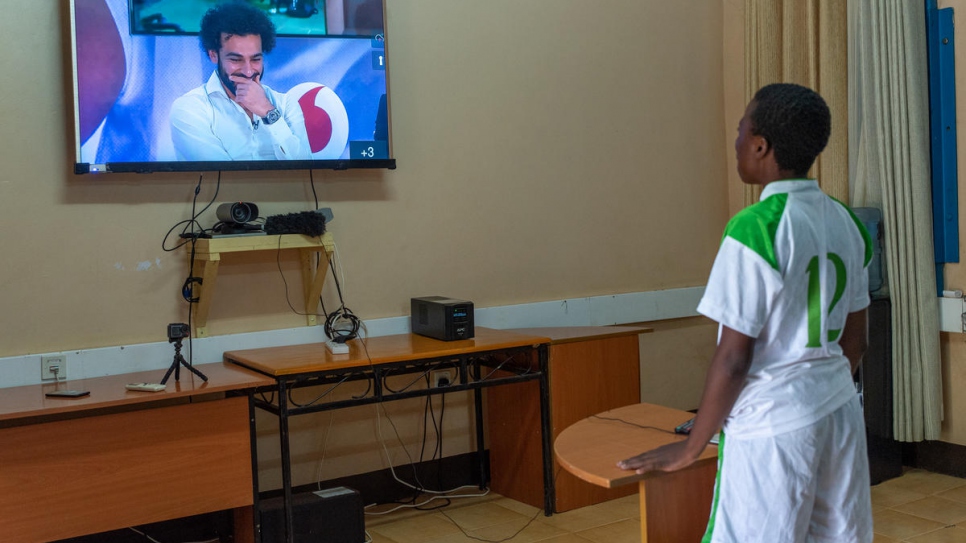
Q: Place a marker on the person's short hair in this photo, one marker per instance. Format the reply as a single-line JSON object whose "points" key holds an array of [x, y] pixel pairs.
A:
{"points": [[796, 123], [235, 19]]}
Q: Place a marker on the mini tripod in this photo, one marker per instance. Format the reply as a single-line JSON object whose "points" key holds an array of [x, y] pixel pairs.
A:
{"points": [[176, 332]]}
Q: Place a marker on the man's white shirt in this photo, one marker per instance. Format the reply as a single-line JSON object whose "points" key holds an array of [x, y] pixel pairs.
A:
{"points": [[207, 125]]}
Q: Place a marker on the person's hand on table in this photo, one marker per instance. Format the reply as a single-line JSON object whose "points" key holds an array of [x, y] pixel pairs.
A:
{"points": [[671, 457]]}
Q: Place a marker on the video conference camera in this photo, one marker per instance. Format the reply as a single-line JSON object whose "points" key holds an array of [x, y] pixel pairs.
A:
{"points": [[178, 331], [237, 212]]}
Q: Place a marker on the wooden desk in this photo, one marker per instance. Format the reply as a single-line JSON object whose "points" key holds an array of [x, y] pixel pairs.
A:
{"points": [[117, 458], [506, 356], [674, 506], [592, 369]]}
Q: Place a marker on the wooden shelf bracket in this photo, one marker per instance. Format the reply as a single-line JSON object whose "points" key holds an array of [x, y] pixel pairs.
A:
{"points": [[314, 264]]}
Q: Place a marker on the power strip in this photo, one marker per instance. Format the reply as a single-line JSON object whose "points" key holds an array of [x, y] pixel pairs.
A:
{"points": [[336, 348]]}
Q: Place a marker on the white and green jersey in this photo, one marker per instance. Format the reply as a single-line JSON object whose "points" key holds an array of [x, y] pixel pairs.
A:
{"points": [[789, 270]]}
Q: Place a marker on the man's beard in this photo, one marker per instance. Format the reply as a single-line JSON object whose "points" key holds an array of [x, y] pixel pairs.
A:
{"points": [[227, 82]]}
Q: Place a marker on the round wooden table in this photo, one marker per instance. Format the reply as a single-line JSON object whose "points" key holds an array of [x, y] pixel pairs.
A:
{"points": [[674, 506]]}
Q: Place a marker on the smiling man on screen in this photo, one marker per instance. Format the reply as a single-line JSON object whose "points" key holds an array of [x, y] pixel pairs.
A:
{"points": [[234, 116]]}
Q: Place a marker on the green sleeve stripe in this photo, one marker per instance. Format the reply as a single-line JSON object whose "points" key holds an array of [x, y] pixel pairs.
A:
{"points": [[756, 225], [862, 230]]}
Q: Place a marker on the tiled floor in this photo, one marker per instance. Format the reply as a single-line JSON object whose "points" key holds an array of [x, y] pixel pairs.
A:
{"points": [[919, 507], [495, 518]]}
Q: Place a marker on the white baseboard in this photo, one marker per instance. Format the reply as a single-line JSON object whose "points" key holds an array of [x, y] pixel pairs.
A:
{"points": [[593, 311]]}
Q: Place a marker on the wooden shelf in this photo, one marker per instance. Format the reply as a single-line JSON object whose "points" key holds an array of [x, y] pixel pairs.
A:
{"points": [[209, 251]]}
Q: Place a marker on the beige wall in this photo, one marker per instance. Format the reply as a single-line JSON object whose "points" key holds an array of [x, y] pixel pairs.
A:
{"points": [[674, 360], [547, 149]]}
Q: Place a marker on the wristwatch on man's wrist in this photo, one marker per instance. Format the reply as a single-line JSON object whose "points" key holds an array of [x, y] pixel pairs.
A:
{"points": [[272, 116]]}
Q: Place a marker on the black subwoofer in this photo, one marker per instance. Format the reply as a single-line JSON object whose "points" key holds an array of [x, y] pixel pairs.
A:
{"points": [[334, 515]]}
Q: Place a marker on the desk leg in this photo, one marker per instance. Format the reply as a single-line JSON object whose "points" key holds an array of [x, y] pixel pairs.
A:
{"points": [[675, 506], [246, 528], [242, 516], [286, 460], [480, 445], [256, 515], [546, 431]]}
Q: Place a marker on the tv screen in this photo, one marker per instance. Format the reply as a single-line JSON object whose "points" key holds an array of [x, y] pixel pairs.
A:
{"points": [[293, 84]]}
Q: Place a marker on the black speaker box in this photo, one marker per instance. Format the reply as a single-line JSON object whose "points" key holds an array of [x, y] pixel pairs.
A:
{"points": [[333, 515]]}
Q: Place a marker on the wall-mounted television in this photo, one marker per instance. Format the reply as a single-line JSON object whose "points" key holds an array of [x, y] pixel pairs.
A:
{"points": [[150, 97]]}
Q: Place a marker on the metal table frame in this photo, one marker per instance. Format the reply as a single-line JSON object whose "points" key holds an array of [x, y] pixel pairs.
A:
{"points": [[502, 365]]}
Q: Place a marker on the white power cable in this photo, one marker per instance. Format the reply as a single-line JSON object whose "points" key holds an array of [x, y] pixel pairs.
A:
{"points": [[382, 441], [325, 444]]}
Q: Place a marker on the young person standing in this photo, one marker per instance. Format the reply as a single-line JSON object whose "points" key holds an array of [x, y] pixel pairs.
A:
{"points": [[789, 288]]}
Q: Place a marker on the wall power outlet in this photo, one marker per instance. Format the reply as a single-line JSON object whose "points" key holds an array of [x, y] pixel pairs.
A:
{"points": [[442, 378], [53, 366]]}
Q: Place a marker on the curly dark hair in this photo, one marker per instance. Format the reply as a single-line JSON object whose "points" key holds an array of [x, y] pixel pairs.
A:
{"points": [[795, 121], [236, 19]]}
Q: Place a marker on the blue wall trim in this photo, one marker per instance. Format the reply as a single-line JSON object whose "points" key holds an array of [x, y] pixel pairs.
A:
{"points": [[942, 121]]}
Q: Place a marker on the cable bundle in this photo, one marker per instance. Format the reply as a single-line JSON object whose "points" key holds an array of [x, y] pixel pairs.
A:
{"points": [[341, 325]]}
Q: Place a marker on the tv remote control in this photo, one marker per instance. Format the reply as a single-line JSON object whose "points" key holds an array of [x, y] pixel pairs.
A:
{"points": [[684, 428], [145, 387]]}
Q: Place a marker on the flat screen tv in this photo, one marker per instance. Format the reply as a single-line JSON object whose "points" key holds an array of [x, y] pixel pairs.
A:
{"points": [[149, 97]]}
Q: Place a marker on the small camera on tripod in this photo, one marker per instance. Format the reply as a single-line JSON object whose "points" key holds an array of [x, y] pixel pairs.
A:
{"points": [[178, 331]]}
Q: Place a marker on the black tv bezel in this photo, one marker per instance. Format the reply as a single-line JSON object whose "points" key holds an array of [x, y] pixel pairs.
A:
{"points": [[81, 168], [169, 166]]}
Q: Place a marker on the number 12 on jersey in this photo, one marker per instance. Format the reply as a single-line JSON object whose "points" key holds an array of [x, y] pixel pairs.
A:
{"points": [[815, 310]]}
